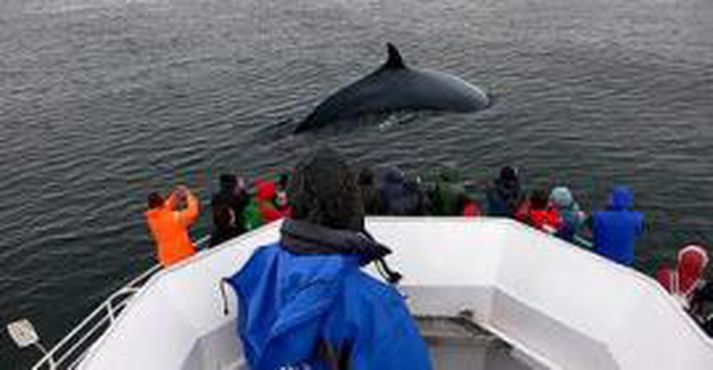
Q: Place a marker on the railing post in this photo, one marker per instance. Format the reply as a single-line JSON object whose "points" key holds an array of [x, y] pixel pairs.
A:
{"points": [[50, 359], [110, 310]]}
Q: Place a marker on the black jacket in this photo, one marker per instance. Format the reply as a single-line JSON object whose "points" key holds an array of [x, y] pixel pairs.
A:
{"points": [[228, 210]]}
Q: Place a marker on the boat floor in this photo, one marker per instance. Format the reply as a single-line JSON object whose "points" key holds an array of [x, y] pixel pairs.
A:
{"points": [[457, 343]]}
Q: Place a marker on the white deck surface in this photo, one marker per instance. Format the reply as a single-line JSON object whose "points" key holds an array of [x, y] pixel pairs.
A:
{"points": [[554, 302]]}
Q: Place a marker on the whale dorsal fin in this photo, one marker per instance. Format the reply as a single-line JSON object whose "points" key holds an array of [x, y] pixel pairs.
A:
{"points": [[394, 60]]}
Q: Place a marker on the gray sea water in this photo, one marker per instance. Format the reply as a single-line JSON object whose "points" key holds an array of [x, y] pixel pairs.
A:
{"points": [[103, 101]]}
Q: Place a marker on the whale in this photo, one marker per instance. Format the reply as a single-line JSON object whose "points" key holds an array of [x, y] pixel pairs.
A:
{"points": [[395, 87]]}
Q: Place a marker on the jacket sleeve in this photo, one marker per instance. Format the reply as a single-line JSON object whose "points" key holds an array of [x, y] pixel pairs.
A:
{"points": [[189, 215], [270, 214], [172, 201]]}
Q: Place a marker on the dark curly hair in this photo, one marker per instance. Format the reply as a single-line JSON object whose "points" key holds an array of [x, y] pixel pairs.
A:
{"points": [[324, 190]]}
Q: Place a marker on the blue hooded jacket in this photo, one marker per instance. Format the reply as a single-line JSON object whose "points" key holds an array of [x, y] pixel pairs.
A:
{"points": [[294, 308], [616, 229]]}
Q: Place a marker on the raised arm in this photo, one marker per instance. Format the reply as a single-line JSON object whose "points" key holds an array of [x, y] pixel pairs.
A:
{"points": [[189, 215], [172, 200]]}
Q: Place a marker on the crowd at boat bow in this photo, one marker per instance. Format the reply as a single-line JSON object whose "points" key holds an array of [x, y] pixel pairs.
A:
{"points": [[323, 240]]}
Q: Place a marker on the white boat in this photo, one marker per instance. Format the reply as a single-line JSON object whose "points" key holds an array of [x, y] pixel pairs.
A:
{"points": [[487, 294]]}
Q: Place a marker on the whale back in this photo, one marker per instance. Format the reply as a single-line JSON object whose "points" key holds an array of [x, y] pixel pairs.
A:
{"points": [[396, 87]]}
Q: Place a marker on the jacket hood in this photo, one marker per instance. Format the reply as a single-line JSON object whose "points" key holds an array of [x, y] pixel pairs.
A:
{"points": [[393, 176], [449, 175], [301, 237], [393, 184], [153, 212], [266, 190], [621, 198], [562, 197]]}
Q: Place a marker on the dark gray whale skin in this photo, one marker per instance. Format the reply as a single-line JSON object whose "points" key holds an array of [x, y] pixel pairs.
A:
{"points": [[396, 87]]}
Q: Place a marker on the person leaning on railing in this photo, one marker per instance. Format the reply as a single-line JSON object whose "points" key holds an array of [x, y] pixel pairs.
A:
{"points": [[228, 206], [616, 229], [169, 225], [504, 196]]}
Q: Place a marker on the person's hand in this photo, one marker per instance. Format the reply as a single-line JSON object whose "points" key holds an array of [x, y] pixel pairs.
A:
{"points": [[549, 229], [181, 190]]}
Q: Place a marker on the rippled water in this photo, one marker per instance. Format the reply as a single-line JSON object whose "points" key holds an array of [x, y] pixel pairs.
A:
{"points": [[103, 101]]}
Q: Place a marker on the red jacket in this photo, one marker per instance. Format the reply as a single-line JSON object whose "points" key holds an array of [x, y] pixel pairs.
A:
{"points": [[266, 193], [548, 220], [470, 209]]}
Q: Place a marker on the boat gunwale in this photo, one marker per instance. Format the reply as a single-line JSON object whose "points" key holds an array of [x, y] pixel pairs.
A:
{"points": [[206, 253]]}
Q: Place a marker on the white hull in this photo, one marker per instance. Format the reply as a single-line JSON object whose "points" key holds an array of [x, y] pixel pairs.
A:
{"points": [[559, 306]]}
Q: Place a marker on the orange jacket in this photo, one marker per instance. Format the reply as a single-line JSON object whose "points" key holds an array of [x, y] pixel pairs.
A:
{"points": [[169, 228]]}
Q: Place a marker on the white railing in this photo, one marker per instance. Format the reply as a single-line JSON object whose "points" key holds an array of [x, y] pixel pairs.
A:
{"points": [[70, 350]]}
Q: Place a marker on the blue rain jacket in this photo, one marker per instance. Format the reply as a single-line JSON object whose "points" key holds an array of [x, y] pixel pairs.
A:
{"points": [[290, 304], [616, 229]]}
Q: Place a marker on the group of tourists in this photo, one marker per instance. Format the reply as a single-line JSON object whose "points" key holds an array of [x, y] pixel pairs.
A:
{"points": [[236, 211], [389, 191], [613, 231], [324, 203]]}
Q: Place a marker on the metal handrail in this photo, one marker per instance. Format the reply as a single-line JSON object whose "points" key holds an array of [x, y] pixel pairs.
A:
{"points": [[105, 315]]}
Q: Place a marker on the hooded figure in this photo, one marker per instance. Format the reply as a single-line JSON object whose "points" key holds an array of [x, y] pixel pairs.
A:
{"points": [[572, 217], [616, 229], [399, 195], [267, 202], [228, 205], [504, 195], [305, 302], [448, 197]]}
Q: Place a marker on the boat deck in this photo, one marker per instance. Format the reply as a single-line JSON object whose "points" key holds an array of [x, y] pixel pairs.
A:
{"points": [[458, 343]]}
